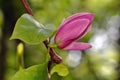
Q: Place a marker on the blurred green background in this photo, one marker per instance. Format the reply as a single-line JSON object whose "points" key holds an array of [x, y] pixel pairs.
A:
{"points": [[101, 62]]}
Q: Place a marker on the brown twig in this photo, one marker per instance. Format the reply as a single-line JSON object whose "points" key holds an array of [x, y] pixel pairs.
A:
{"points": [[54, 57], [27, 7]]}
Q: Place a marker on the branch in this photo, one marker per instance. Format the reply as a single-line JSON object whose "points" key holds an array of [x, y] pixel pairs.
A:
{"points": [[27, 7], [54, 57]]}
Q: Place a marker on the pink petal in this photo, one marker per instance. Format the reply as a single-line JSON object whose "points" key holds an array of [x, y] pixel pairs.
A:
{"points": [[71, 19], [72, 31], [85, 15], [82, 15], [85, 32], [77, 46], [73, 28]]}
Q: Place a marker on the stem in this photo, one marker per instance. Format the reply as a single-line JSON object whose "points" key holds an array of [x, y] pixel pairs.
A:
{"points": [[27, 7], [54, 57], [20, 52], [21, 61]]}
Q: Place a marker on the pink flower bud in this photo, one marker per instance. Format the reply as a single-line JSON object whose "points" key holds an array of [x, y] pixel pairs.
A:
{"points": [[73, 28]]}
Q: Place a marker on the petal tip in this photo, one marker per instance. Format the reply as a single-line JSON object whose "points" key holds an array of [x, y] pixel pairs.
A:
{"points": [[92, 16], [78, 46], [90, 46]]}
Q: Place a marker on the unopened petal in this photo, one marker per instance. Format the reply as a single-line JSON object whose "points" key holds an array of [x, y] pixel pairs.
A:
{"points": [[82, 15], [72, 31], [73, 28], [77, 46]]}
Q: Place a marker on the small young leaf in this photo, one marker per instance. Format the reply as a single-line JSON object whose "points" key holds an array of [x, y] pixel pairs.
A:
{"points": [[30, 31], [61, 69], [37, 72]]}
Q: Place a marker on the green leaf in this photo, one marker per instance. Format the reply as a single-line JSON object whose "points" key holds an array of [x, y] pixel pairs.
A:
{"points": [[52, 45], [61, 69], [37, 72], [30, 31]]}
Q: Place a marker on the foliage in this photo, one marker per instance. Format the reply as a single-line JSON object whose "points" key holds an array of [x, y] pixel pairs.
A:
{"points": [[30, 31], [36, 72], [61, 69]]}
